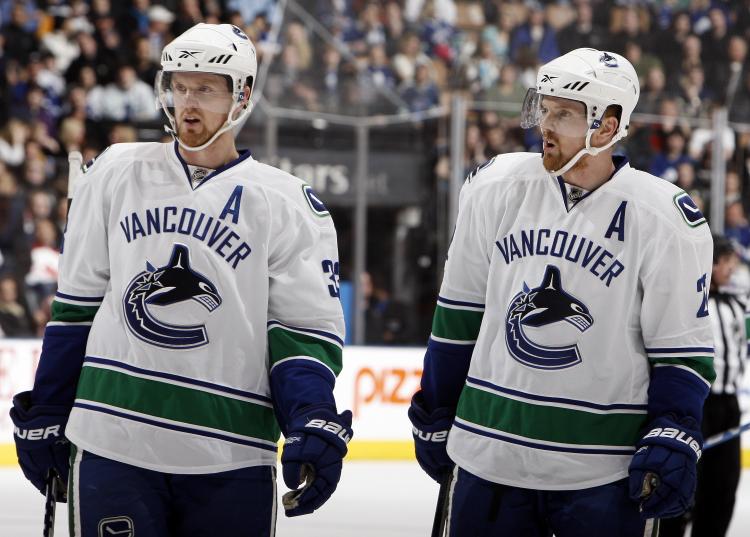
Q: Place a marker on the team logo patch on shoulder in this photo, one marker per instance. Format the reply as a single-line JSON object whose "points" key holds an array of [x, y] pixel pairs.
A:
{"points": [[689, 210], [317, 206], [550, 314], [156, 289]]}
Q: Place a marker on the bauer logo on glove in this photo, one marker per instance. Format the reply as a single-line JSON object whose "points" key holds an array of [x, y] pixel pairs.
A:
{"points": [[331, 427], [37, 434], [676, 434]]}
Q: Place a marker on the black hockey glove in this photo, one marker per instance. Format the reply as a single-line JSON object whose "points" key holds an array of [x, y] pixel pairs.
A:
{"points": [[40, 442], [430, 432], [312, 456], [663, 469]]}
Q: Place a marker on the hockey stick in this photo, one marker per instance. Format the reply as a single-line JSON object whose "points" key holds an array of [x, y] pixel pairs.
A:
{"points": [[726, 436], [441, 508], [50, 503], [75, 159]]}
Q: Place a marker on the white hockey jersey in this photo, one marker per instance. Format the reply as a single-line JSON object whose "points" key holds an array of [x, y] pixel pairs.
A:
{"points": [[569, 307], [189, 287]]}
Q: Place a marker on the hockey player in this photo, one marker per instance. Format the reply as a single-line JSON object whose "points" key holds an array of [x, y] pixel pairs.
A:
{"points": [[571, 349], [197, 314]]}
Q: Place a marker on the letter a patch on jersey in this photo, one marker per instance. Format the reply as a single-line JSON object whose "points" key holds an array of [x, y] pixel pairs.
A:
{"points": [[618, 223], [689, 210]]}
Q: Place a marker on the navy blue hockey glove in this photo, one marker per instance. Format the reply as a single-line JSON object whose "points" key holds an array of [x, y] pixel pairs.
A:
{"points": [[312, 457], [41, 445], [663, 469], [430, 432]]}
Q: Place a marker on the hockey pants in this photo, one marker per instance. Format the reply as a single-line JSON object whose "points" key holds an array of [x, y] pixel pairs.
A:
{"points": [[479, 508], [111, 499]]}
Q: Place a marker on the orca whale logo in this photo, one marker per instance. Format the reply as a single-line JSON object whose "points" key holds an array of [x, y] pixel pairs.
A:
{"points": [[175, 282], [539, 307], [608, 60]]}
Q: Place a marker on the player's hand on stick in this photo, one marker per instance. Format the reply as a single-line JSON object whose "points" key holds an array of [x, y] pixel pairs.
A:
{"points": [[41, 446], [663, 469], [430, 432], [312, 457]]}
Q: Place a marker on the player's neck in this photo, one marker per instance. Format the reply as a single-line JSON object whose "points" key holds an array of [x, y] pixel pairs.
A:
{"points": [[220, 152], [591, 172]]}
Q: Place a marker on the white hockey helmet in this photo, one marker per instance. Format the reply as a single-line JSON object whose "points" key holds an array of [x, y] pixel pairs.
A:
{"points": [[596, 78], [221, 49]]}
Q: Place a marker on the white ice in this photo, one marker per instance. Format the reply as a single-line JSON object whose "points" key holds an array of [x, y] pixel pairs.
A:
{"points": [[374, 499]]}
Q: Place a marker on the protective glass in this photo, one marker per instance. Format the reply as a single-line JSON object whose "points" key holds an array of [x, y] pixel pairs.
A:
{"points": [[193, 90], [553, 115]]}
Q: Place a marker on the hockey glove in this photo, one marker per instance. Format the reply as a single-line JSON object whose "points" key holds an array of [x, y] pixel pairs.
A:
{"points": [[430, 432], [663, 469], [40, 442], [312, 456]]}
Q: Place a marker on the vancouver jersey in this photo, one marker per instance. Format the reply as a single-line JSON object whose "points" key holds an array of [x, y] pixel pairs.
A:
{"points": [[193, 294], [569, 303]]}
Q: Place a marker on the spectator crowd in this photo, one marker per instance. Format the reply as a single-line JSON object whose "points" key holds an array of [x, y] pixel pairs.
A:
{"points": [[79, 74]]}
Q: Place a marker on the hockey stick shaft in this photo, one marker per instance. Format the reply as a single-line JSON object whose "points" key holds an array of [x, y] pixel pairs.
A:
{"points": [[75, 159], [441, 508], [50, 503], [726, 436]]}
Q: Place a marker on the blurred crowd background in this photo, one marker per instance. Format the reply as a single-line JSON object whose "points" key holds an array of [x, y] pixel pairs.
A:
{"points": [[78, 75]]}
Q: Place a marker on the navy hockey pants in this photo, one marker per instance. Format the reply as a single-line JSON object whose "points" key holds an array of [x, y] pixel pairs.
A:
{"points": [[111, 499], [480, 508]]}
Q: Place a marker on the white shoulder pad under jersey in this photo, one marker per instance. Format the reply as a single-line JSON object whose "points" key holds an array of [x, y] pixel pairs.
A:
{"points": [[197, 291]]}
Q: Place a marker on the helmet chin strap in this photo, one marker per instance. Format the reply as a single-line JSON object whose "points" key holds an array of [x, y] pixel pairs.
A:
{"points": [[201, 147], [588, 150]]}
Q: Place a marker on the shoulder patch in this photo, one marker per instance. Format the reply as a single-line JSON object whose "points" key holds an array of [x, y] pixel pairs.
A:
{"points": [[317, 206], [688, 209]]}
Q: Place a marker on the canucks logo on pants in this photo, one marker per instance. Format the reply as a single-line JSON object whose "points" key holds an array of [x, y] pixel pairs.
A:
{"points": [[173, 283], [120, 526], [544, 306]]}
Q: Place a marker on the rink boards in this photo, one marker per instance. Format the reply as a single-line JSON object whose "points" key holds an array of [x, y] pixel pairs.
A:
{"points": [[376, 384]]}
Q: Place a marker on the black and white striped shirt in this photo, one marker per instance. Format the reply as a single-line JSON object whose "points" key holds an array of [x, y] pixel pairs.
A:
{"points": [[730, 322]]}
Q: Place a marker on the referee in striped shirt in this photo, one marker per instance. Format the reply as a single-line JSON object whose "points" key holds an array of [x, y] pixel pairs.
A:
{"points": [[719, 467]]}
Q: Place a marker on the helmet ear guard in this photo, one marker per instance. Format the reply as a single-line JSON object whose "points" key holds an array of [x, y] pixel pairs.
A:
{"points": [[221, 49]]}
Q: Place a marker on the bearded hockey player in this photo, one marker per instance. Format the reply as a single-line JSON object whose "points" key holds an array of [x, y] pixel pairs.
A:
{"points": [[571, 349], [197, 316]]}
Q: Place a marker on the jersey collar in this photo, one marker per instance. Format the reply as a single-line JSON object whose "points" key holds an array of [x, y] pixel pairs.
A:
{"points": [[618, 160], [244, 155]]}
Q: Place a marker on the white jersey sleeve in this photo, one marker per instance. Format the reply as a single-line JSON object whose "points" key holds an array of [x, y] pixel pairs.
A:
{"points": [[84, 264], [305, 320], [675, 283], [461, 302]]}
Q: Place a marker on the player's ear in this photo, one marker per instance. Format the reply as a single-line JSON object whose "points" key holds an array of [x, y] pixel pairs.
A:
{"points": [[244, 99], [246, 92], [606, 131]]}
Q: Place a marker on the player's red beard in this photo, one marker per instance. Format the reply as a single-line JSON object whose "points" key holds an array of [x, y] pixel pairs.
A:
{"points": [[554, 158], [195, 134]]}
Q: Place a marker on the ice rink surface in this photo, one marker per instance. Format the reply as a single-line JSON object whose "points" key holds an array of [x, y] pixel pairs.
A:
{"points": [[374, 499]]}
